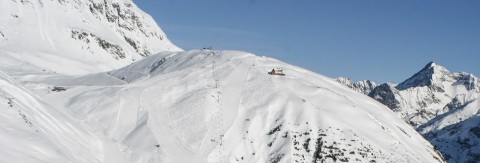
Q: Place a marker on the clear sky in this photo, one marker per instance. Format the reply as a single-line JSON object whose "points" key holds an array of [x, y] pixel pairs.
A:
{"points": [[381, 40]]}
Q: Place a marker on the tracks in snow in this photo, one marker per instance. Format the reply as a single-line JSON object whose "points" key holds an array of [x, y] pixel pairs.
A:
{"points": [[228, 98]]}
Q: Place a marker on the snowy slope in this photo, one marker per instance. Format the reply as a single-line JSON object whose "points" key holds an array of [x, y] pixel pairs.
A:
{"points": [[33, 131], [441, 105], [76, 36], [457, 133], [222, 106], [67, 96]]}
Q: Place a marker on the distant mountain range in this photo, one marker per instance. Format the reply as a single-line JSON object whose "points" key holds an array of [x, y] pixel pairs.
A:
{"points": [[443, 106]]}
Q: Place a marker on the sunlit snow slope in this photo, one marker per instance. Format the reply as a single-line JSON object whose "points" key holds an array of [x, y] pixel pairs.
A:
{"points": [[76, 36], [218, 106], [66, 96], [34, 131]]}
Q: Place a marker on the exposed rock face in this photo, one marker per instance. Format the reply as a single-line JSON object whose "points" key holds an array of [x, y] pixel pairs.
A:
{"points": [[364, 86], [470, 82], [93, 35], [385, 94], [112, 48], [443, 106], [127, 20]]}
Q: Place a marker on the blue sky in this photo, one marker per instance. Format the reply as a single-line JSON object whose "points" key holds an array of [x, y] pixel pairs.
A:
{"points": [[381, 40]]}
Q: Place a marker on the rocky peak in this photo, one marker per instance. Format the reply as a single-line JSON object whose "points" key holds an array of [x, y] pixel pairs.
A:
{"points": [[432, 75], [443, 106]]}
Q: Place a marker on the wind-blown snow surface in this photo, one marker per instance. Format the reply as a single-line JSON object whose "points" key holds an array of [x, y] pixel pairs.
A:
{"points": [[201, 106], [76, 36], [34, 131]]}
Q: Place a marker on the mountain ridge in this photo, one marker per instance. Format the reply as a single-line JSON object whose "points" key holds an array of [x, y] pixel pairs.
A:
{"points": [[438, 103]]}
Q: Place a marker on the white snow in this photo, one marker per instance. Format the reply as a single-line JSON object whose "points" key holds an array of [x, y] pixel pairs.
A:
{"points": [[220, 106], [67, 95], [39, 35], [441, 105]]}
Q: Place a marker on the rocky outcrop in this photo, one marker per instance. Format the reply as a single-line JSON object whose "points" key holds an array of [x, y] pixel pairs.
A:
{"points": [[385, 94], [364, 86], [98, 35]]}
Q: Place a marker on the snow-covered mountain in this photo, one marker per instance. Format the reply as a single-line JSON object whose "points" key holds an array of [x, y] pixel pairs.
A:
{"points": [[84, 35], [443, 106], [169, 105], [203, 106]]}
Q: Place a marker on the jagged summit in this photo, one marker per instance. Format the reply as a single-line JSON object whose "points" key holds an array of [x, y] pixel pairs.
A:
{"points": [[432, 64], [436, 68], [431, 75]]}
